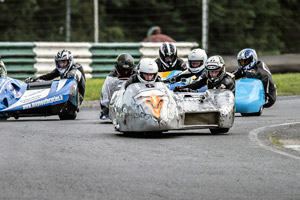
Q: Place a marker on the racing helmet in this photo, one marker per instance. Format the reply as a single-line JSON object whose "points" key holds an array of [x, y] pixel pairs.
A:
{"points": [[147, 70], [247, 59], [3, 72], [215, 68], [196, 60], [124, 65], [168, 54], [63, 55]]}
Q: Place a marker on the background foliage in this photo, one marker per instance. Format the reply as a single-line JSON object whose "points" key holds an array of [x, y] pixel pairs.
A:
{"points": [[269, 26]]}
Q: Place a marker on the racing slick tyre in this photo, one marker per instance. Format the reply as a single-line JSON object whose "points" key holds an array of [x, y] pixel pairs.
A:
{"points": [[3, 118], [219, 130], [71, 116], [254, 114]]}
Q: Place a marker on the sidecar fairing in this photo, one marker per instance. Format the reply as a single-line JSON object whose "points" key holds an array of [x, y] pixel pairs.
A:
{"points": [[153, 107], [249, 97], [110, 85], [19, 99]]}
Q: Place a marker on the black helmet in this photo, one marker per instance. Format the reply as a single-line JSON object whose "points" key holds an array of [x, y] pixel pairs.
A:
{"points": [[168, 54], [63, 55], [124, 65]]}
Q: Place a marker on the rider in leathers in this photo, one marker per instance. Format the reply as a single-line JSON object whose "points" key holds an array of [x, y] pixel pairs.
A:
{"points": [[251, 68], [124, 68], [65, 71], [147, 72], [196, 66], [215, 77], [168, 59]]}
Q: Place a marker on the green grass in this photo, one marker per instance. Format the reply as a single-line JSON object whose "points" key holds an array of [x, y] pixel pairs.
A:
{"points": [[93, 88], [287, 84], [275, 141]]}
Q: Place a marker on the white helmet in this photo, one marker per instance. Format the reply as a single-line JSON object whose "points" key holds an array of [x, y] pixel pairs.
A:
{"points": [[197, 55], [215, 64], [147, 66]]}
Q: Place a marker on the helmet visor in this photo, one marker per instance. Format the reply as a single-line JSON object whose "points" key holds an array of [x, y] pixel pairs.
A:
{"points": [[62, 63], [196, 63], [148, 76], [245, 62], [125, 64], [170, 59], [214, 74]]}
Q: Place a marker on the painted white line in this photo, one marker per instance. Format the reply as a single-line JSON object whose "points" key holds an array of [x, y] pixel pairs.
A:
{"points": [[294, 147], [253, 135]]}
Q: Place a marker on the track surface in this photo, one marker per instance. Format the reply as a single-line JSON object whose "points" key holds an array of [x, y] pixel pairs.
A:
{"points": [[45, 158]]}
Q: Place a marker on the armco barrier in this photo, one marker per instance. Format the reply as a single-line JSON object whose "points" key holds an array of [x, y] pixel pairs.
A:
{"points": [[24, 59], [33, 59], [19, 58], [104, 56], [46, 51]]}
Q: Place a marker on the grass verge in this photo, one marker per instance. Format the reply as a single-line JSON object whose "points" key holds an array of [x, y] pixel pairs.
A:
{"points": [[287, 84]]}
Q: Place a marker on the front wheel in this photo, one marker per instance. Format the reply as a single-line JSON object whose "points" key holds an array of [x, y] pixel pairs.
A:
{"points": [[219, 130], [71, 116], [2, 118]]}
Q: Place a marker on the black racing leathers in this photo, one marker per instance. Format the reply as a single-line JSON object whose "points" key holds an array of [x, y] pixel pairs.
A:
{"points": [[179, 65], [134, 79], [76, 71], [226, 83], [114, 73], [262, 72]]}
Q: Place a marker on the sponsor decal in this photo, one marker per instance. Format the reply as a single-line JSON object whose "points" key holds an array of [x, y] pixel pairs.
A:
{"points": [[155, 103], [43, 102]]}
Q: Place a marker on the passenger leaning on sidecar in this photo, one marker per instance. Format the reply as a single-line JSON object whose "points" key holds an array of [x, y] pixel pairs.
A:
{"points": [[147, 72], [250, 67], [168, 59], [3, 72], [124, 68], [196, 66], [215, 77], [65, 68]]}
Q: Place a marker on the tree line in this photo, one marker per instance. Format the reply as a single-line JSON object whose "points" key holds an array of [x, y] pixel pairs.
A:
{"points": [[269, 26]]}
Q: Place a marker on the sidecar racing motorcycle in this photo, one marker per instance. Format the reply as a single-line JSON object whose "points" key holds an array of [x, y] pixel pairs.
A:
{"points": [[152, 107], [45, 98]]}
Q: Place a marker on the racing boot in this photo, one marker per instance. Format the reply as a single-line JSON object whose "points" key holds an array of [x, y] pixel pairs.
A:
{"points": [[104, 114]]}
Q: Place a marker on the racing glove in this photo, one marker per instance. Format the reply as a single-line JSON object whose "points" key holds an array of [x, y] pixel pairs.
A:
{"points": [[177, 89], [170, 80], [30, 80], [166, 81]]}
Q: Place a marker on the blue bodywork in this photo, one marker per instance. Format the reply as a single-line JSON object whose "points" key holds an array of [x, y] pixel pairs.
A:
{"points": [[249, 95], [184, 81], [18, 98]]}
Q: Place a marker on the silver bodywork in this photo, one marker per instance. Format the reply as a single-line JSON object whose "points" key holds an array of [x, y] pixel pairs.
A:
{"points": [[153, 107], [110, 85]]}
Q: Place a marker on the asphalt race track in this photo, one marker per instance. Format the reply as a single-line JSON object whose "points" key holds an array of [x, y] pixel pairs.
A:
{"points": [[45, 158]]}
